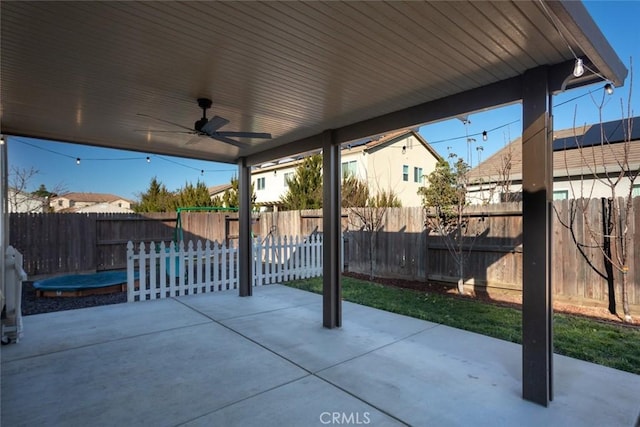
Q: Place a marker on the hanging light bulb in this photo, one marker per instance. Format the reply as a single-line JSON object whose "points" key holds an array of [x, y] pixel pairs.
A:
{"points": [[608, 88], [404, 149], [202, 172], [484, 135], [578, 70], [148, 159], [77, 160]]}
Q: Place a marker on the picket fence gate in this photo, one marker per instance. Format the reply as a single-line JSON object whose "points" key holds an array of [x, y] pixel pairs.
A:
{"points": [[158, 270]]}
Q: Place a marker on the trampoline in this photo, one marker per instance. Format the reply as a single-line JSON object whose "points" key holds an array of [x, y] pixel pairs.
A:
{"points": [[74, 285]]}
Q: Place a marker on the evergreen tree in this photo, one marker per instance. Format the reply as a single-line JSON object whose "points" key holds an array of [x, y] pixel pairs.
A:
{"points": [[230, 197], [193, 196], [156, 199], [355, 192], [43, 192], [305, 188]]}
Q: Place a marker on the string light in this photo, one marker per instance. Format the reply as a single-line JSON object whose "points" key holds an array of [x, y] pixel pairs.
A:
{"points": [[608, 88], [474, 134], [404, 149], [578, 69], [484, 135], [147, 158]]}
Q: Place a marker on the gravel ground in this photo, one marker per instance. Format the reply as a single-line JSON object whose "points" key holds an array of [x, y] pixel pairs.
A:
{"points": [[34, 305]]}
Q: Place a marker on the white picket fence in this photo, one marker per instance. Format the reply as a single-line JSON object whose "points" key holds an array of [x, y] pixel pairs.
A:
{"points": [[157, 271]]}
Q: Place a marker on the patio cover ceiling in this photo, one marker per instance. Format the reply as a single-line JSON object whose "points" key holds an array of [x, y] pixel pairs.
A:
{"points": [[95, 72]]}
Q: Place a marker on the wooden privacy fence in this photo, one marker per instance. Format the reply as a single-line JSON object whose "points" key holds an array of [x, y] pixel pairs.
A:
{"points": [[55, 243], [403, 247], [156, 271], [406, 249]]}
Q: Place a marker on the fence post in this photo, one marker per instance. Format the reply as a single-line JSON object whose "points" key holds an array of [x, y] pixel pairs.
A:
{"points": [[163, 270], [152, 270], [207, 266], [130, 273], [216, 266], [283, 250], [180, 267], [142, 268]]}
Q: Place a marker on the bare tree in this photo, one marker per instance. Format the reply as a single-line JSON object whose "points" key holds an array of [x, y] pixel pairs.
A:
{"points": [[23, 200], [367, 213], [610, 235], [504, 177], [445, 203]]}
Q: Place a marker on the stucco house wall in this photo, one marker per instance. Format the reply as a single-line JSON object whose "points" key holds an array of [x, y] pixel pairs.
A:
{"points": [[381, 162]]}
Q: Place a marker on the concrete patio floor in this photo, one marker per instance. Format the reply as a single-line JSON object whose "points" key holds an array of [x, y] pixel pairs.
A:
{"points": [[222, 360]]}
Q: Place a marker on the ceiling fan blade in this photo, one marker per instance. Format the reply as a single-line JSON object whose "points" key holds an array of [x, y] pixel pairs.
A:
{"points": [[194, 140], [166, 121], [245, 134], [192, 132], [214, 123], [229, 141]]}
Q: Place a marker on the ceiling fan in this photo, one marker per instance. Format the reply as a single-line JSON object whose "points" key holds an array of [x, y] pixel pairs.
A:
{"points": [[209, 127]]}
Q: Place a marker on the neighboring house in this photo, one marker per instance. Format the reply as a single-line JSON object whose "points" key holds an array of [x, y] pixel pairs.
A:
{"points": [[218, 190], [397, 161], [579, 156], [21, 202], [90, 202]]}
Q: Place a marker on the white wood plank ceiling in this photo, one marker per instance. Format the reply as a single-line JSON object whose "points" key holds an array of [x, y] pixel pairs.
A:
{"points": [[84, 71]]}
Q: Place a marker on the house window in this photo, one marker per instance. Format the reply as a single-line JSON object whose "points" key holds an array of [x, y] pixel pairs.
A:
{"points": [[349, 168], [261, 183], [60, 203], [561, 195], [417, 174], [405, 172], [288, 176], [635, 190]]}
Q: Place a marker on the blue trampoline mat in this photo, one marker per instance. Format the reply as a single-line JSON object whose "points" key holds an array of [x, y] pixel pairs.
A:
{"points": [[73, 282]]}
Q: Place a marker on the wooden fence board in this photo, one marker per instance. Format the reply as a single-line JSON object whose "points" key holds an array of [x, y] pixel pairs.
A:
{"points": [[64, 243]]}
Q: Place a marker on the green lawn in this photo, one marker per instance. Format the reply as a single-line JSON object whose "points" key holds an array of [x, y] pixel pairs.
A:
{"points": [[609, 345]]}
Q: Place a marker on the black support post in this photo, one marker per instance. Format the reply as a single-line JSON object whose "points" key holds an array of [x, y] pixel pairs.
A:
{"points": [[537, 190], [331, 225], [245, 249]]}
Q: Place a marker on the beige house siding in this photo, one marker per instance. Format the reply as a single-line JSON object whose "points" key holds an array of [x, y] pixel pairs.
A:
{"points": [[90, 202], [19, 202], [574, 169], [385, 168], [379, 162]]}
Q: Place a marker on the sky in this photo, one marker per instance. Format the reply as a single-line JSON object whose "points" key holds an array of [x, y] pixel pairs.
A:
{"points": [[56, 166]]}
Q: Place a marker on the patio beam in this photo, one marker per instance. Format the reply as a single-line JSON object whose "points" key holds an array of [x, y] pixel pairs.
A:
{"points": [[331, 229], [537, 190], [245, 275]]}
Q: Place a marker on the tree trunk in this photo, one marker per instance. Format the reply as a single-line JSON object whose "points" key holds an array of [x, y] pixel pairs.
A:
{"points": [[371, 255], [607, 227], [625, 297], [460, 276]]}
